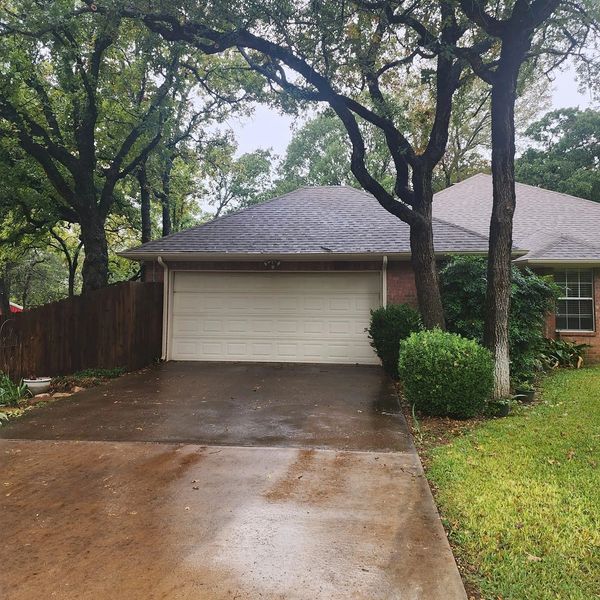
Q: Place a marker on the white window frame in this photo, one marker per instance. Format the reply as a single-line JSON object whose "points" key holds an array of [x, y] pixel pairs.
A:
{"points": [[567, 298]]}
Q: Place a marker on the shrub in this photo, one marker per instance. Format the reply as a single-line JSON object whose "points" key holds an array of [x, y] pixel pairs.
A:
{"points": [[463, 283], [388, 327], [445, 374], [10, 392]]}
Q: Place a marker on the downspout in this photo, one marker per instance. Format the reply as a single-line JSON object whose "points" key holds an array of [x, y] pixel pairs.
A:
{"points": [[384, 282], [166, 296]]}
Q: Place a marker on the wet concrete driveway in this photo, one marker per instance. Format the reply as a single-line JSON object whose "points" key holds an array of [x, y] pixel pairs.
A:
{"points": [[213, 481]]}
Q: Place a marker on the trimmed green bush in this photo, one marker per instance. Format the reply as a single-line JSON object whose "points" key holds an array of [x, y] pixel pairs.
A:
{"points": [[445, 374], [388, 327]]}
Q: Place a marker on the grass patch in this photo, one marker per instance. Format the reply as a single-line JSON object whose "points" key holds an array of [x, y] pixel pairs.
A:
{"points": [[520, 496], [86, 378]]}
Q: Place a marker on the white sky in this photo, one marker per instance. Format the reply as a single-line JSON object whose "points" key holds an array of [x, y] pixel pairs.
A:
{"points": [[266, 128]]}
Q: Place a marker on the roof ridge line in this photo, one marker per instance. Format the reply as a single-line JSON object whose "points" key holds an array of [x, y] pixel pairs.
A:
{"points": [[458, 183], [462, 228], [562, 194]]}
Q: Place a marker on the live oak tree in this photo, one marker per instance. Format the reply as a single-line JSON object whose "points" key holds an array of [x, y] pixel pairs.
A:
{"points": [[69, 95], [348, 56], [520, 31]]}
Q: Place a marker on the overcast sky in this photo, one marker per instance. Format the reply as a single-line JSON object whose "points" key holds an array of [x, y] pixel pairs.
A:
{"points": [[268, 129]]}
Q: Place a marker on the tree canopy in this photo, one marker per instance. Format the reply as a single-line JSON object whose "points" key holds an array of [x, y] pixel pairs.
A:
{"points": [[566, 155]]}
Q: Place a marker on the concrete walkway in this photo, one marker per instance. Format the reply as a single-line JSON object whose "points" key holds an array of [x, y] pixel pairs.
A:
{"points": [[302, 519]]}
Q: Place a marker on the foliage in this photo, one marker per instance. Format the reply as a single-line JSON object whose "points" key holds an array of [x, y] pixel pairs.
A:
{"points": [[519, 496], [563, 353], [319, 154], [235, 182], [388, 327], [463, 282], [88, 99], [567, 158], [445, 374], [85, 378], [11, 393]]}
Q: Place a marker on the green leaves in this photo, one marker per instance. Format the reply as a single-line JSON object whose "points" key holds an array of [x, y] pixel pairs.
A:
{"points": [[569, 154], [463, 282], [388, 327], [445, 374]]}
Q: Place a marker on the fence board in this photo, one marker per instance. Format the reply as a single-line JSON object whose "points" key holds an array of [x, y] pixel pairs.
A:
{"points": [[118, 326]]}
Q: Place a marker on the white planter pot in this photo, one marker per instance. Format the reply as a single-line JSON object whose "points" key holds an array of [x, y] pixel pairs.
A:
{"points": [[39, 385]]}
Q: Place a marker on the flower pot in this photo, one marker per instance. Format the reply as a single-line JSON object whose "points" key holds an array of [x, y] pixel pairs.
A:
{"points": [[39, 385], [499, 409], [525, 395]]}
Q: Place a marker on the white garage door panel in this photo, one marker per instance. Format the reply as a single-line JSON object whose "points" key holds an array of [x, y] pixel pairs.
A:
{"points": [[288, 317]]}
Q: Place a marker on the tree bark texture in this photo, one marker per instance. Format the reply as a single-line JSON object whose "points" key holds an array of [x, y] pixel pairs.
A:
{"points": [[95, 263], [504, 93], [423, 254]]}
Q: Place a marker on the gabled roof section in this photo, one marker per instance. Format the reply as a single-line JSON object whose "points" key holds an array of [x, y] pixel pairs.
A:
{"points": [[552, 226], [309, 221], [563, 248]]}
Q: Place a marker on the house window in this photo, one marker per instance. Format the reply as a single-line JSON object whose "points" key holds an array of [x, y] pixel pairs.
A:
{"points": [[575, 307]]}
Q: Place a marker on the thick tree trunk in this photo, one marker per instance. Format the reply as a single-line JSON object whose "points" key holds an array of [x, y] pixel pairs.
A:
{"points": [[95, 263], [423, 255], [504, 201]]}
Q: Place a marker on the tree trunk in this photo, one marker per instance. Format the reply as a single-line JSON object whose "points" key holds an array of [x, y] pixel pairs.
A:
{"points": [[423, 255], [95, 263], [4, 294], [166, 197], [73, 264], [142, 177], [504, 201]]}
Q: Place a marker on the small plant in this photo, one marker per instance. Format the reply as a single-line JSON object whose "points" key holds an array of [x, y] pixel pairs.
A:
{"points": [[389, 326], [444, 374], [563, 354], [10, 392]]}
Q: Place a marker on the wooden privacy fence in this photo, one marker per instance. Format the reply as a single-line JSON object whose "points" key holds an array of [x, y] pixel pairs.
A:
{"points": [[118, 326]]}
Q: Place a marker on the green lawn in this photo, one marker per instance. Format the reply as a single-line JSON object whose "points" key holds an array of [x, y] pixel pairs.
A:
{"points": [[521, 495]]}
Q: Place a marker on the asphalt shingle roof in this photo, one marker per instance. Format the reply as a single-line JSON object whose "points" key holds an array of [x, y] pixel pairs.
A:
{"points": [[311, 220], [550, 225]]}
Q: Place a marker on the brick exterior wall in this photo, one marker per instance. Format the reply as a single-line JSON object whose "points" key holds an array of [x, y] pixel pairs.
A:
{"points": [[590, 338], [154, 272], [401, 288]]}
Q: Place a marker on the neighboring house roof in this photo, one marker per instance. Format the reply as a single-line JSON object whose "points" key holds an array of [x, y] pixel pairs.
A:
{"points": [[309, 221], [553, 227]]}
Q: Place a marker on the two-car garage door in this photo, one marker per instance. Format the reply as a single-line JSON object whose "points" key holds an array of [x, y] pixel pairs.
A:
{"points": [[282, 317]]}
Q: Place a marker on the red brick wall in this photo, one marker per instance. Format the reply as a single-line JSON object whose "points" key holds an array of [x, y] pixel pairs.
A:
{"points": [[401, 287], [154, 272], [592, 338]]}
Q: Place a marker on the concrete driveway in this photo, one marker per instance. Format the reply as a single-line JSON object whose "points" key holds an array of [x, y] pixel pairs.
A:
{"points": [[209, 481]]}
